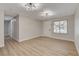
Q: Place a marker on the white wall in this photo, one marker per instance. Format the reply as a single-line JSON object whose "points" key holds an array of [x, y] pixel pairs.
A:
{"points": [[29, 28], [1, 28], [11, 28], [6, 28], [15, 28], [25, 28], [48, 29], [77, 29]]}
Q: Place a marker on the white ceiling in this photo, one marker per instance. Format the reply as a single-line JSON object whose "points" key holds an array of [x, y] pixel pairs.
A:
{"points": [[59, 9]]}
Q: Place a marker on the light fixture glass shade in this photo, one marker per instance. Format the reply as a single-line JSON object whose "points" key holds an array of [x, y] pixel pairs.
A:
{"points": [[46, 13], [31, 6]]}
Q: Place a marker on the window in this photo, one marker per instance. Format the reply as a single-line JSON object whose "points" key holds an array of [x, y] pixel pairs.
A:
{"points": [[60, 26]]}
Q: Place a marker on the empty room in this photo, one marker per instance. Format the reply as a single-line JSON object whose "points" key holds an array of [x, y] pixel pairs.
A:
{"points": [[39, 29]]}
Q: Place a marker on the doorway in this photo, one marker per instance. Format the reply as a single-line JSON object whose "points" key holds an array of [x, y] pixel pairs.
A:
{"points": [[9, 22]]}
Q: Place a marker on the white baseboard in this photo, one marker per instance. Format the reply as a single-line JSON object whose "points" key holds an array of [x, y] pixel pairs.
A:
{"points": [[15, 39], [58, 38], [28, 38], [2, 45], [77, 50]]}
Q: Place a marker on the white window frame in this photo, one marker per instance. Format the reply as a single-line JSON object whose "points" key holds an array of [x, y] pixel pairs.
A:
{"points": [[59, 31]]}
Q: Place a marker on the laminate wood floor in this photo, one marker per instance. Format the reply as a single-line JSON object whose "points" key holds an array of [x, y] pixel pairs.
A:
{"points": [[41, 46]]}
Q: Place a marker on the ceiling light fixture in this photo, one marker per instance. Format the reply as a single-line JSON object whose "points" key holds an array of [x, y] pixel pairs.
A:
{"points": [[46, 13], [7, 18], [31, 6]]}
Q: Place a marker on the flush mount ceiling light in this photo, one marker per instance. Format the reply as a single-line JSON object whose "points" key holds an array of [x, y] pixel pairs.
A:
{"points": [[7, 18], [31, 6], [46, 13]]}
